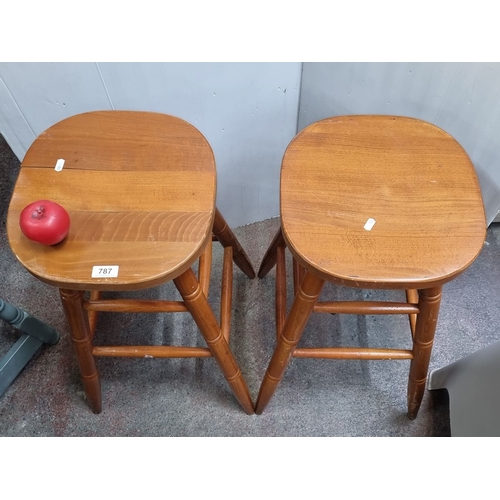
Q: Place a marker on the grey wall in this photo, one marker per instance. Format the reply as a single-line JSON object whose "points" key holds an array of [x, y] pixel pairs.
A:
{"points": [[461, 98], [247, 112]]}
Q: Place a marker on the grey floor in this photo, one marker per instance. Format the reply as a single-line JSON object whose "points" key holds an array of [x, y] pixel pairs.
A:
{"points": [[154, 397]]}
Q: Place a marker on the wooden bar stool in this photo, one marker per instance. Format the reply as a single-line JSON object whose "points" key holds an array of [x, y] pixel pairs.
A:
{"points": [[140, 191], [375, 202]]}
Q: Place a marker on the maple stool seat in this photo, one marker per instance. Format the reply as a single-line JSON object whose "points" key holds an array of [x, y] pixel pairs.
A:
{"points": [[373, 202], [140, 191]]}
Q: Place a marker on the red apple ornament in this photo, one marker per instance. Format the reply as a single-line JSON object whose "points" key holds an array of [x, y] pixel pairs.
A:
{"points": [[45, 222]]}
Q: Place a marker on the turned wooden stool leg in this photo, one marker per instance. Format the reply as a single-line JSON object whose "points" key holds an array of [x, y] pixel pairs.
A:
{"points": [[298, 275], [301, 309], [72, 301], [412, 298], [429, 302], [280, 290], [269, 259], [226, 237], [275, 255], [204, 317]]}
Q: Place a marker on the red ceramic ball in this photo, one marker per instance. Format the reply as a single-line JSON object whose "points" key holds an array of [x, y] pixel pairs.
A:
{"points": [[45, 222]]}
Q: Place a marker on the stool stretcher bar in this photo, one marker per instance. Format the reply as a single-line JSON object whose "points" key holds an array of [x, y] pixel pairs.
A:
{"points": [[375, 307], [140, 351], [135, 306], [351, 353]]}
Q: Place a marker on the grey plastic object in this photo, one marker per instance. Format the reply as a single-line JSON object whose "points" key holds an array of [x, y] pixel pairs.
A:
{"points": [[473, 384], [34, 333]]}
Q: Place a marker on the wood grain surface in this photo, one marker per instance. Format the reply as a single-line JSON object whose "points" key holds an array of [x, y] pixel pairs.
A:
{"points": [[411, 177], [140, 191]]}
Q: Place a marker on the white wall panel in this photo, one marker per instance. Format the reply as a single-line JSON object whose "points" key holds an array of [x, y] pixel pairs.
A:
{"points": [[13, 125], [461, 98], [247, 112], [46, 93]]}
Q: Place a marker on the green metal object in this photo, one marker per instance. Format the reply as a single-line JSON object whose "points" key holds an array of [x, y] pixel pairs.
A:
{"points": [[34, 333]]}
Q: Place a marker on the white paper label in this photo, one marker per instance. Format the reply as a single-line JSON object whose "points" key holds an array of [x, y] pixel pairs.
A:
{"points": [[59, 165], [369, 224], [105, 271]]}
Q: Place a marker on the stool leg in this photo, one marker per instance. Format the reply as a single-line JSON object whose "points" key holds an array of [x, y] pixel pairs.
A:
{"points": [[298, 274], [204, 317], [72, 301], [301, 309], [269, 259], [280, 290], [228, 239], [429, 302]]}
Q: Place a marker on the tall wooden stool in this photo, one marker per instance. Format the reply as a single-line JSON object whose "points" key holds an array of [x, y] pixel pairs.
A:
{"points": [[140, 190], [374, 202]]}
